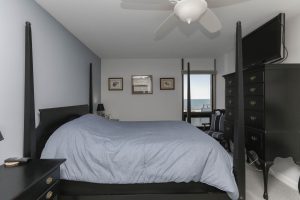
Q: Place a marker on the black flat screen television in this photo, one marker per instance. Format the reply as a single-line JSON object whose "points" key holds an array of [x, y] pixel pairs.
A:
{"points": [[265, 44]]}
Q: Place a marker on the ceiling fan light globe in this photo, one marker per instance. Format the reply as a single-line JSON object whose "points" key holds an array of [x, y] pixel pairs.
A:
{"points": [[190, 10]]}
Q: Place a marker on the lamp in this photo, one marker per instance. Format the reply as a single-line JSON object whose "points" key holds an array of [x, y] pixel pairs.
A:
{"points": [[191, 10], [1, 137], [100, 109]]}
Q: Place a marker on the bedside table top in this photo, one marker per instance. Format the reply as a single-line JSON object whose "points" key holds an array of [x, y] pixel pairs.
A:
{"points": [[15, 180]]}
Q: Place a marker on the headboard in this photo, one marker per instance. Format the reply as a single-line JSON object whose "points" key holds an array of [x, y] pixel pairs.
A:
{"points": [[51, 119]]}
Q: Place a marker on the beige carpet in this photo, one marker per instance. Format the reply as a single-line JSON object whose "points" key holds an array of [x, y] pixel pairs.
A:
{"points": [[277, 190]]}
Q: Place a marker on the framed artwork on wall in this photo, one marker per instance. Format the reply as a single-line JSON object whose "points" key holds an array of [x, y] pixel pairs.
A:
{"points": [[115, 84], [142, 84], [167, 84]]}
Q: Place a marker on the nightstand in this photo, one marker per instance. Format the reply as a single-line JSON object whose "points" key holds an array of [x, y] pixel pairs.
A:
{"points": [[37, 179]]}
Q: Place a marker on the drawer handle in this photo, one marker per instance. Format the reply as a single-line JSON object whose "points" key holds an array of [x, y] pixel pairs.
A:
{"points": [[227, 129], [253, 138], [230, 101], [252, 103], [253, 118], [49, 195], [252, 78], [252, 89], [49, 180], [230, 113]]}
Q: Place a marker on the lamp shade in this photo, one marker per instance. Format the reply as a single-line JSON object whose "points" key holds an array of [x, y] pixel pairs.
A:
{"points": [[1, 137], [100, 107]]}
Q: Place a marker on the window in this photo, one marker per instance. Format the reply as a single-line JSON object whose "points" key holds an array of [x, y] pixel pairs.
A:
{"points": [[201, 93], [201, 98]]}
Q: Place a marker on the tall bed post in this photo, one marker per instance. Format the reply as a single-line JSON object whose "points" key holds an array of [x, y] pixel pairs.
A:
{"points": [[182, 89], [29, 107], [214, 86], [189, 120], [239, 131], [91, 89]]}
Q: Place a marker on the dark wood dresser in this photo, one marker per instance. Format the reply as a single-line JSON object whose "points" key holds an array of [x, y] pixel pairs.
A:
{"points": [[38, 179], [272, 109]]}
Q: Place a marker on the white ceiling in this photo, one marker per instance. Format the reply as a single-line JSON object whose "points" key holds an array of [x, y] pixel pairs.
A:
{"points": [[112, 31]]}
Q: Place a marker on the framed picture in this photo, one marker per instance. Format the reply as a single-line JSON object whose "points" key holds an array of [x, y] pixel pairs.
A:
{"points": [[167, 84], [115, 84], [142, 84]]}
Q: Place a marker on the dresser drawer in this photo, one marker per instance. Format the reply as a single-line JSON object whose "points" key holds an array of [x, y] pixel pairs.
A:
{"points": [[49, 180], [230, 81], [254, 119], [229, 115], [229, 102], [254, 103], [230, 91], [254, 89], [253, 77], [41, 186], [228, 129], [255, 141], [50, 193]]}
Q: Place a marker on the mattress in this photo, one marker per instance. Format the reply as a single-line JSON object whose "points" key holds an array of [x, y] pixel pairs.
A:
{"points": [[99, 150]]}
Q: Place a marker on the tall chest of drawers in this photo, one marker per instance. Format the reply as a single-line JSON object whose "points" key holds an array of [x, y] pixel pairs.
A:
{"points": [[272, 109]]}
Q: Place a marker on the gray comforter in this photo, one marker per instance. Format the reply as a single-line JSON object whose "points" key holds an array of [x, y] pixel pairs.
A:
{"points": [[104, 151]]}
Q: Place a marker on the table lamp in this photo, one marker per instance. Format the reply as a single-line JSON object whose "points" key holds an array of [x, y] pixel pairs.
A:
{"points": [[100, 109], [1, 137]]}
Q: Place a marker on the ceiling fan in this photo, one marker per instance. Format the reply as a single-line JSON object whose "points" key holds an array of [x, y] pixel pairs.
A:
{"points": [[188, 11]]}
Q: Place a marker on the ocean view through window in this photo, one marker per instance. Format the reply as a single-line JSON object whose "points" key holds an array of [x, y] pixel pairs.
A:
{"points": [[201, 98], [201, 93]]}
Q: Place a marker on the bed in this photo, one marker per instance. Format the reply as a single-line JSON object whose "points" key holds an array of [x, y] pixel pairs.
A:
{"points": [[102, 151], [196, 175]]}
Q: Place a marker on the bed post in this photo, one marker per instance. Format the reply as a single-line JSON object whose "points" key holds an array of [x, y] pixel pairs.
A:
{"points": [[189, 120], [29, 109], [182, 89], [91, 90], [239, 131]]}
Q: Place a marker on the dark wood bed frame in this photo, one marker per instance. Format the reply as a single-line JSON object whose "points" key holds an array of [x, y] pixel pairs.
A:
{"points": [[50, 119]]}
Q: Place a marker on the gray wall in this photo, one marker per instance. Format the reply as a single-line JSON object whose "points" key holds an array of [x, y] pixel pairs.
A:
{"points": [[60, 67], [293, 39], [161, 105], [225, 65]]}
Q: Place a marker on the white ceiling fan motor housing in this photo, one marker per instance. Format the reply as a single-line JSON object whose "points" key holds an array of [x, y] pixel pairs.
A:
{"points": [[190, 10]]}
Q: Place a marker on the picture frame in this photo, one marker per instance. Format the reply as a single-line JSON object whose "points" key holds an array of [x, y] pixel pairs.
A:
{"points": [[115, 84], [142, 84], [167, 83]]}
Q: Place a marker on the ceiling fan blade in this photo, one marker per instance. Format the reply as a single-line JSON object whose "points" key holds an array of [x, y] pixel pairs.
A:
{"points": [[210, 21], [221, 3], [166, 26]]}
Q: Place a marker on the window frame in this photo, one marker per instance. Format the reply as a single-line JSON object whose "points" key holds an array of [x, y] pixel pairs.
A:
{"points": [[212, 94]]}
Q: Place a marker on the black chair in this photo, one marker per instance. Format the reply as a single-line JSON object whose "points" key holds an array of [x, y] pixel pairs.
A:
{"points": [[207, 126], [216, 128]]}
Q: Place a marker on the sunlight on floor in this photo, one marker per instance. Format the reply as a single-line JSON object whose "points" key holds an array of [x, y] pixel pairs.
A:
{"points": [[277, 190]]}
